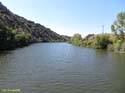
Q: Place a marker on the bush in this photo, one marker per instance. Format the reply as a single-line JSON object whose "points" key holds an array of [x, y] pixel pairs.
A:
{"points": [[22, 35], [22, 39], [76, 40], [110, 47], [117, 45], [102, 41], [122, 47]]}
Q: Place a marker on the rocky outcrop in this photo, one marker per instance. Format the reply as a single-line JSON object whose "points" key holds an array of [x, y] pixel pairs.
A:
{"points": [[18, 25], [89, 37]]}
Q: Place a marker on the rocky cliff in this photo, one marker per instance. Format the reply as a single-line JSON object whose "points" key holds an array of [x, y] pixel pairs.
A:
{"points": [[17, 31]]}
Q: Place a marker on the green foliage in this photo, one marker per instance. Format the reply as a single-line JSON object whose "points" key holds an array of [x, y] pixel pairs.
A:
{"points": [[88, 43], [118, 27], [22, 39], [76, 39], [112, 42], [6, 38], [10, 39], [110, 47], [13, 31], [113, 38], [22, 35], [117, 45], [122, 50], [102, 41]]}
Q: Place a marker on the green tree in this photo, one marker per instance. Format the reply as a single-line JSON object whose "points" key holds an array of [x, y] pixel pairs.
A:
{"points": [[76, 39], [7, 39], [102, 41], [118, 27], [117, 45]]}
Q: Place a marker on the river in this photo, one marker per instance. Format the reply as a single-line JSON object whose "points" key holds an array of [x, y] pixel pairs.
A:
{"points": [[62, 68]]}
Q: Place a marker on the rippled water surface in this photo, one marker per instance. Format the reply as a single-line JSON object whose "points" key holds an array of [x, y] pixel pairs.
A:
{"points": [[62, 68]]}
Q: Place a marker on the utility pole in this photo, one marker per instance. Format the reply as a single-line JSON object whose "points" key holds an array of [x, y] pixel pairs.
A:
{"points": [[102, 29]]}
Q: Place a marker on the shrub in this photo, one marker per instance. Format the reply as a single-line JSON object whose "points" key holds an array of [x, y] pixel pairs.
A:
{"points": [[76, 40], [122, 47], [102, 41], [110, 47], [22, 35], [117, 45]]}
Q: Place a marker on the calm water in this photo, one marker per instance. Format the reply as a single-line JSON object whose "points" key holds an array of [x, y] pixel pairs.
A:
{"points": [[62, 68]]}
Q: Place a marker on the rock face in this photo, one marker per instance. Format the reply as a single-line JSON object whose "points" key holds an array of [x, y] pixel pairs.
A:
{"points": [[89, 37], [17, 24]]}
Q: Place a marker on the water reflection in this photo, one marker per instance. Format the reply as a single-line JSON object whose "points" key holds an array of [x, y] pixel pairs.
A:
{"points": [[62, 68]]}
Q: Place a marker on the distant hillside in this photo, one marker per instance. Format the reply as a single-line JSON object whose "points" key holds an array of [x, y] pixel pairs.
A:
{"points": [[16, 31]]}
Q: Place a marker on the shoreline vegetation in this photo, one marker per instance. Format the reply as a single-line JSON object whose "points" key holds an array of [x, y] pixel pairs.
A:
{"points": [[114, 41]]}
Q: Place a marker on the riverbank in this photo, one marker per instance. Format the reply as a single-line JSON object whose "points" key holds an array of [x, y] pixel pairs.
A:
{"points": [[104, 41], [114, 41]]}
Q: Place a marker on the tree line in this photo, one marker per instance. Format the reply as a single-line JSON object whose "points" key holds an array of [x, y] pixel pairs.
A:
{"points": [[114, 41]]}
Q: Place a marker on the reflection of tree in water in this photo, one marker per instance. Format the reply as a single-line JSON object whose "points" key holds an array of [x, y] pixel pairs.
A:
{"points": [[118, 73]]}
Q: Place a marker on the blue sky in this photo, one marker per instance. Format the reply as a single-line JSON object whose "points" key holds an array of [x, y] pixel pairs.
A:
{"points": [[67, 17]]}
